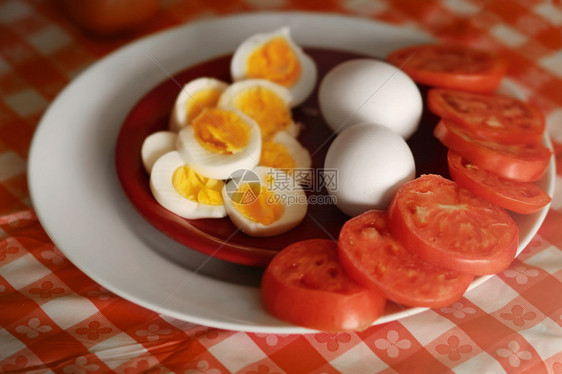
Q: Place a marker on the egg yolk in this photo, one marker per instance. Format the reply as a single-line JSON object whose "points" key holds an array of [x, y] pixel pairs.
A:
{"points": [[265, 208], [277, 156], [276, 61], [197, 188], [207, 98], [265, 107], [221, 131]]}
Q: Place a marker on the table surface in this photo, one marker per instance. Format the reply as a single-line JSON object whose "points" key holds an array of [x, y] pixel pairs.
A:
{"points": [[55, 319]]}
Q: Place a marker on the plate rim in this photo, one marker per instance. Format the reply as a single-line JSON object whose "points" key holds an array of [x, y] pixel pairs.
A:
{"points": [[41, 135]]}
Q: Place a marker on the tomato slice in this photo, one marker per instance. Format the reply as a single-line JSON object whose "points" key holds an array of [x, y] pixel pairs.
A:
{"points": [[306, 285], [519, 197], [374, 258], [451, 227], [450, 66], [519, 162], [494, 117]]}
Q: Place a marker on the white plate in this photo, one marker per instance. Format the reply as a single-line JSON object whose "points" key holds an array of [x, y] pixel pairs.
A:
{"points": [[80, 203]]}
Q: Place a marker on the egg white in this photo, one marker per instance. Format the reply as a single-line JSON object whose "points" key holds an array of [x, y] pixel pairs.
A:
{"points": [[167, 196], [178, 117], [216, 165], [302, 89], [229, 95], [295, 205], [156, 145]]}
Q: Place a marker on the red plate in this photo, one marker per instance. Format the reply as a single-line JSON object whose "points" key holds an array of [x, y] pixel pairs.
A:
{"points": [[219, 237]]}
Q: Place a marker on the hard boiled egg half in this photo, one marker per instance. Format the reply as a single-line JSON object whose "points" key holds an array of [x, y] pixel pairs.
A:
{"points": [[267, 103], [182, 191], [264, 201], [274, 56], [193, 98], [155, 145], [284, 152], [220, 141]]}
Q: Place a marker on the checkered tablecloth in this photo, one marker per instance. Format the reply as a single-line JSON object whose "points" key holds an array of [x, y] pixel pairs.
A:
{"points": [[53, 318]]}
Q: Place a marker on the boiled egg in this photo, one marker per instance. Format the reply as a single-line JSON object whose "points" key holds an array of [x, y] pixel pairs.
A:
{"points": [[267, 103], [156, 145], [264, 201], [368, 90], [193, 98], [371, 163], [275, 56], [182, 191], [220, 141], [285, 152]]}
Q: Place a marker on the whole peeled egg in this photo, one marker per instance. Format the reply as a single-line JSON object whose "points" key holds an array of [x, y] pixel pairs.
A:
{"points": [[371, 162], [368, 90]]}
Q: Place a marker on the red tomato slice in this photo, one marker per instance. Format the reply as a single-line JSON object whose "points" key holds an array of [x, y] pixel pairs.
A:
{"points": [[374, 258], [519, 162], [520, 197], [494, 117], [305, 285], [450, 66], [451, 227]]}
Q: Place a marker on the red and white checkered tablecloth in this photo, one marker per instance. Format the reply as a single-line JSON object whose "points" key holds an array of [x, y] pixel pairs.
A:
{"points": [[53, 318]]}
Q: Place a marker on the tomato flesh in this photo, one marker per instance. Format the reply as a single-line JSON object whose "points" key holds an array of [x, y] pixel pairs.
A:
{"points": [[519, 162], [374, 258], [450, 66], [519, 197], [493, 117], [451, 227], [306, 285]]}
